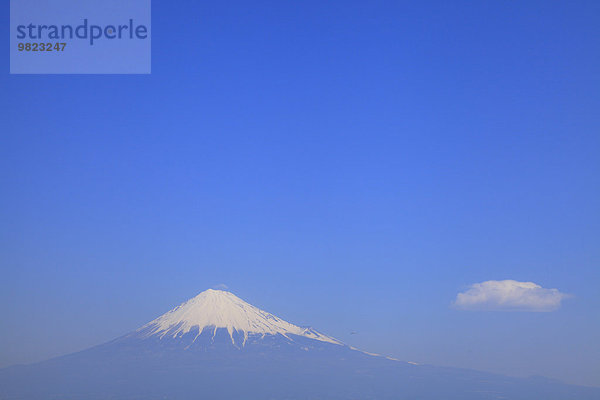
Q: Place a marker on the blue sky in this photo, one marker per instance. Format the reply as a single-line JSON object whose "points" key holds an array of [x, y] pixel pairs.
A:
{"points": [[346, 165]]}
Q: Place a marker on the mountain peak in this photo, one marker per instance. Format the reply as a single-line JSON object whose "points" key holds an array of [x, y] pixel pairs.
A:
{"points": [[215, 309]]}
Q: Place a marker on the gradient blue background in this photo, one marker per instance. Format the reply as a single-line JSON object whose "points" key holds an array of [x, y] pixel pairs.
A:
{"points": [[348, 165]]}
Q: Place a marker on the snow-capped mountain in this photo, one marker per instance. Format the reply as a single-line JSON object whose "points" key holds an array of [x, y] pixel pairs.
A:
{"points": [[217, 346], [212, 310]]}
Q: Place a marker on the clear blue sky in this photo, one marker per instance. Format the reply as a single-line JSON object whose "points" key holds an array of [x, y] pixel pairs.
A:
{"points": [[348, 165]]}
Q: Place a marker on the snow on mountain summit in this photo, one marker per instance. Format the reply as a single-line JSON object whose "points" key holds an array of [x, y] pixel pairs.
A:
{"points": [[214, 309]]}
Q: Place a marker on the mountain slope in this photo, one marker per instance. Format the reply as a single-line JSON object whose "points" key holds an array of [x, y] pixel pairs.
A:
{"points": [[216, 346], [218, 309]]}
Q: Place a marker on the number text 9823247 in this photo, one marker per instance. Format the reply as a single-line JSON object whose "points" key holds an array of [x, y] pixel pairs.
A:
{"points": [[41, 46]]}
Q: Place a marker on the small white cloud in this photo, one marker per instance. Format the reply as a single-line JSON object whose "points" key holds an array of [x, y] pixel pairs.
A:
{"points": [[509, 295], [221, 286]]}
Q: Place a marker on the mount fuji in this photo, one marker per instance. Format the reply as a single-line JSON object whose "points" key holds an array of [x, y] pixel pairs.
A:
{"points": [[213, 311], [217, 346]]}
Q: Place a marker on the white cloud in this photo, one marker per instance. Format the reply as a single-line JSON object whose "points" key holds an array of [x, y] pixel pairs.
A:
{"points": [[221, 286], [509, 295]]}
